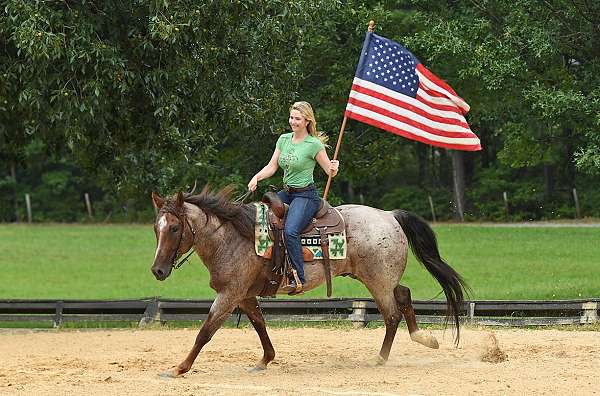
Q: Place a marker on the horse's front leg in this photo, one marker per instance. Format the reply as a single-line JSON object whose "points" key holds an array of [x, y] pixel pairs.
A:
{"points": [[220, 310], [252, 310]]}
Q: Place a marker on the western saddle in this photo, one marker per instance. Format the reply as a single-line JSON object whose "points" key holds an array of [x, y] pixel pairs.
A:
{"points": [[327, 221]]}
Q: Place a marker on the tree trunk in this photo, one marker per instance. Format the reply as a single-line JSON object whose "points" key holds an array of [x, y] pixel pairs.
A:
{"points": [[350, 191], [13, 175], [486, 157], [421, 151], [548, 182], [458, 177]]}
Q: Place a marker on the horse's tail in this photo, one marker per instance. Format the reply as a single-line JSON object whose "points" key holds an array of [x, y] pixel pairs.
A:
{"points": [[423, 243]]}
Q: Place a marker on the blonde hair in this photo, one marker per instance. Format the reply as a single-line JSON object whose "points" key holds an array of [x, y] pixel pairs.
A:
{"points": [[307, 112]]}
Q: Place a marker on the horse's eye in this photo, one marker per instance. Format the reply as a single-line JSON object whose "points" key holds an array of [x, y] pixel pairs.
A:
{"points": [[174, 228]]}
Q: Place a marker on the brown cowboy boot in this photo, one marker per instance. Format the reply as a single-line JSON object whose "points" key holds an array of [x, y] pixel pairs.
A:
{"points": [[294, 286]]}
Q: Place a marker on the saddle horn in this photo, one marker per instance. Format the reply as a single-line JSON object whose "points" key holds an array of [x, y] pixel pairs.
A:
{"points": [[275, 203]]}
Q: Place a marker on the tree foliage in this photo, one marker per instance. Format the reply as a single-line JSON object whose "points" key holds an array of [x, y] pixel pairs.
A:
{"points": [[120, 98], [144, 93], [532, 68]]}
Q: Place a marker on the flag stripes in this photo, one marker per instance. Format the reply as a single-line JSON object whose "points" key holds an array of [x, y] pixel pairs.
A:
{"points": [[435, 120], [393, 91]]}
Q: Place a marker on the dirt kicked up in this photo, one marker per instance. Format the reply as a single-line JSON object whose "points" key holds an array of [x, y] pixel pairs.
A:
{"points": [[309, 361]]}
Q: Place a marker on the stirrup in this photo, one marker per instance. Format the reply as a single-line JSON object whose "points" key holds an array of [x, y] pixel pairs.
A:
{"points": [[295, 286], [297, 290]]}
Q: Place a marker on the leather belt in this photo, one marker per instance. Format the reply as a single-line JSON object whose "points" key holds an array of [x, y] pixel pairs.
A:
{"points": [[292, 190]]}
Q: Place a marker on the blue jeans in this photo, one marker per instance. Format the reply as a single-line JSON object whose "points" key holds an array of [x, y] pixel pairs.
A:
{"points": [[303, 207]]}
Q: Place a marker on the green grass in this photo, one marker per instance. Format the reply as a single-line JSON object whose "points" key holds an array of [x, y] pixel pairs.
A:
{"points": [[113, 262]]}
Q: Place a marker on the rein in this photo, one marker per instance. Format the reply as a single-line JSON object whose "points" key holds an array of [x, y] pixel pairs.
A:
{"points": [[176, 265]]}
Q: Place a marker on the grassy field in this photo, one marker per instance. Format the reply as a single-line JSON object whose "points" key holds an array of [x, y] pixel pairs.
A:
{"points": [[113, 262]]}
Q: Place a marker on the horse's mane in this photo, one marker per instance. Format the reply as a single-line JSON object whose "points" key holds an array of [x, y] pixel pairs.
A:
{"points": [[218, 203]]}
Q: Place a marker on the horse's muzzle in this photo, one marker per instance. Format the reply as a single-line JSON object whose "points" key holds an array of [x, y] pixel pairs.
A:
{"points": [[160, 273]]}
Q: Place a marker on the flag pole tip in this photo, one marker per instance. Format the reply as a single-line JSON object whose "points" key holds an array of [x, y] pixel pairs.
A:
{"points": [[371, 25]]}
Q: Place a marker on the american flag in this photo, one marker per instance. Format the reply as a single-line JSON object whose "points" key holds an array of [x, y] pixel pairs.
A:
{"points": [[392, 90]]}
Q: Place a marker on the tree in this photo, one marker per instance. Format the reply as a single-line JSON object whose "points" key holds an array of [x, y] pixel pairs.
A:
{"points": [[534, 64], [144, 94]]}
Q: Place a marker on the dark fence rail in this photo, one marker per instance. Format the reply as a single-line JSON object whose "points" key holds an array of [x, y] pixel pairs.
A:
{"points": [[357, 310]]}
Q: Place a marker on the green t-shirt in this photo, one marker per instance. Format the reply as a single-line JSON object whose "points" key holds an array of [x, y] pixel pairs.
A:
{"points": [[298, 159]]}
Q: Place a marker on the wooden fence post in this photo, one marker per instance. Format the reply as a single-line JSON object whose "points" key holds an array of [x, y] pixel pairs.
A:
{"points": [[577, 209], [151, 313], [589, 312], [28, 203], [58, 314], [432, 209], [88, 205], [359, 314]]}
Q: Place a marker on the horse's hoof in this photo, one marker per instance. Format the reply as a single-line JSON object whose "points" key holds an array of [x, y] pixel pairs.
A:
{"points": [[376, 361], [424, 338], [259, 368], [170, 374]]}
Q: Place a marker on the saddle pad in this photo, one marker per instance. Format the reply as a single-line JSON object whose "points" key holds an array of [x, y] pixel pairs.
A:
{"points": [[262, 241]]}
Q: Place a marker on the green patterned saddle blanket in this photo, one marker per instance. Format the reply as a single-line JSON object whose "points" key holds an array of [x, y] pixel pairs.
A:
{"points": [[262, 240]]}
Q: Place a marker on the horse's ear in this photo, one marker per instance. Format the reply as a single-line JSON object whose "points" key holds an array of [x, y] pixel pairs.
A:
{"points": [[157, 201], [179, 200]]}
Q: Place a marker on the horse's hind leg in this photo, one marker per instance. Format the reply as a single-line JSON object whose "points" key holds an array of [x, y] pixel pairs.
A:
{"points": [[252, 310], [392, 304], [402, 295], [388, 307]]}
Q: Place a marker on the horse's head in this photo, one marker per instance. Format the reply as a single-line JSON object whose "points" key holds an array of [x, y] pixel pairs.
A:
{"points": [[174, 234]]}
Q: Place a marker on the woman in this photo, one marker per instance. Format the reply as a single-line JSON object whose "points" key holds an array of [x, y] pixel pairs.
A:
{"points": [[297, 153]]}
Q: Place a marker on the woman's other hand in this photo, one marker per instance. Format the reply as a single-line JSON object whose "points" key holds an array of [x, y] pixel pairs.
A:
{"points": [[333, 167], [253, 183]]}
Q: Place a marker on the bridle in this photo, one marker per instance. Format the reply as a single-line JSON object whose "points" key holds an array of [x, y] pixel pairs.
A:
{"points": [[183, 220]]}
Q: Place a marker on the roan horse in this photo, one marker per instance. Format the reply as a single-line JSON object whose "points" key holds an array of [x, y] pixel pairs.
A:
{"points": [[222, 234]]}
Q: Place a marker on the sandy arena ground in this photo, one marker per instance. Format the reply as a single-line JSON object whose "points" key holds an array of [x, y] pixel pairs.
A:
{"points": [[309, 361]]}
